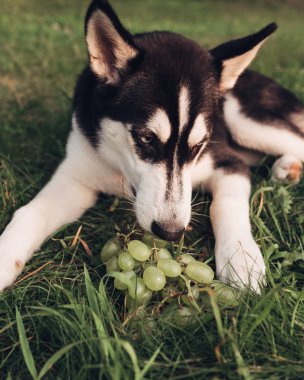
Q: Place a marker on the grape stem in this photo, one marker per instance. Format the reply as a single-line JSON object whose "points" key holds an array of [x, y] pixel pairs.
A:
{"points": [[190, 295]]}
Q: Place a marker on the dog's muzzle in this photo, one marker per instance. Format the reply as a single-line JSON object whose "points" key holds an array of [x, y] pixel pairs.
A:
{"points": [[163, 233]]}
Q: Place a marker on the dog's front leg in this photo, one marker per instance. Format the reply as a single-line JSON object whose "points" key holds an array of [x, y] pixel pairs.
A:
{"points": [[63, 200], [238, 258], [71, 191]]}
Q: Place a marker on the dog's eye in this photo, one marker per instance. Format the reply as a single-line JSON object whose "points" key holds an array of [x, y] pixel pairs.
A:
{"points": [[146, 139], [199, 147]]}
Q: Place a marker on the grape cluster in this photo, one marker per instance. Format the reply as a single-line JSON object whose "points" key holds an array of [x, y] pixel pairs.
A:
{"points": [[145, 271]]}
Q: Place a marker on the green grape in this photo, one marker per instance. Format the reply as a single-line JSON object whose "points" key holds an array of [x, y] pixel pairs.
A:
{"points": [[146, 296], [150, 240], [163, 253], [195, 293], [112, 265], [170, 293], [138, 250], [169, 267], [225, 295], [199, 272], [216, 285], [109, 250], [142, 322], [154, 278], [138, 290], [181, 281], [132, 303], [204, 301], [179, 316], [120, 285], [150, 325], [185, 258], [183, 316], [125, 261]]}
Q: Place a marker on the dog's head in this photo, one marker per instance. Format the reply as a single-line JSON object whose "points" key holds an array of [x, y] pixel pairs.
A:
{"points": [[159, 97]]}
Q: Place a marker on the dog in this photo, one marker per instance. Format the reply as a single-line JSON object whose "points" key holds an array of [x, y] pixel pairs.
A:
{"points": [[155, 115]]}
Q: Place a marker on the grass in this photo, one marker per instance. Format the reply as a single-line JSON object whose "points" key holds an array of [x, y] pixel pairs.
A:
{"points": [[57, 321]]}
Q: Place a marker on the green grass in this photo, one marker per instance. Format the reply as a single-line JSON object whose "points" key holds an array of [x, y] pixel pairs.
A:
{"points": [[59, 322]]}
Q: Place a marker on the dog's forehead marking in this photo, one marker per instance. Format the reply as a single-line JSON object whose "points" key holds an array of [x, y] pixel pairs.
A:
{"points": [[184, 102], [198, 131], [159, 124]]}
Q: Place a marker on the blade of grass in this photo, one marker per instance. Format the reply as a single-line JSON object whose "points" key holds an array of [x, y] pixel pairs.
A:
{"points": [[149, 364], [53, 359], [25, 347]]}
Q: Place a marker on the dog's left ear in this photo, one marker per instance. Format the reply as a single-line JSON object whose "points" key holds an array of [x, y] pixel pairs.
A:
{"points": [[111, 47], [232, 58]]}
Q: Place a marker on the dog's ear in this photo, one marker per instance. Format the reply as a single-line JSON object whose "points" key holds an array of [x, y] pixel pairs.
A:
{"points": [[232, 58], [111, 47]]}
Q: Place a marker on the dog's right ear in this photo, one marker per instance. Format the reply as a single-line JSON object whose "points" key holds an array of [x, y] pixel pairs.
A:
{"points": [[111, 47]]}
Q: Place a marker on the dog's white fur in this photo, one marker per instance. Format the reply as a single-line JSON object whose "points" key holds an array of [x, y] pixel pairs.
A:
{"points": [[74, 187], [238, 258], [184, 103], [265, 138], [160, 125], [114, 168], [198, 131]]}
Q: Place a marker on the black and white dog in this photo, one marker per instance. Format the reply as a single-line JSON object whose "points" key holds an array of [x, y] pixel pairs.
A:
{"points": [[156, 115]]}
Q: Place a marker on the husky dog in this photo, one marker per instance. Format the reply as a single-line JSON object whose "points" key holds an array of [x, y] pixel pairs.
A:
{"points": [[156, 115]]}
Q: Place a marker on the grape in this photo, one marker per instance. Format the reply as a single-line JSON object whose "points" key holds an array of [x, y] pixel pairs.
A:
{"points": [[183, 316], [225, 295], [150, 325], [112, 265], [138, 250], [154, 278], [169, 267], [178, 316], [170, 292], [146, 296], [163, 253], [181, 281], [199, 272], [125, 261], [150, 240], [109, 250], [185, 258], [138, 290], [120, 285], [132, 303], [195, 293], [204, 301]]}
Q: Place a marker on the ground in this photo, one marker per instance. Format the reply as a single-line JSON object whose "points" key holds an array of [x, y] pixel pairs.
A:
{"points": [[42, 51]]}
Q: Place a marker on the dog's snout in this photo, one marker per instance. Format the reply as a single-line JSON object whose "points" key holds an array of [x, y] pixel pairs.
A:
{"points": [[163, 233]]}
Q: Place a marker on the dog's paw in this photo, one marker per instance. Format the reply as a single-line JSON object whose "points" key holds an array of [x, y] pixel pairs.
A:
{"points": [[287, 168], [241, 264], [10, 266]]}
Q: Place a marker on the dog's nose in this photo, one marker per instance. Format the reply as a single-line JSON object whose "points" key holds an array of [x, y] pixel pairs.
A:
{"points": [[161, 232]]}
